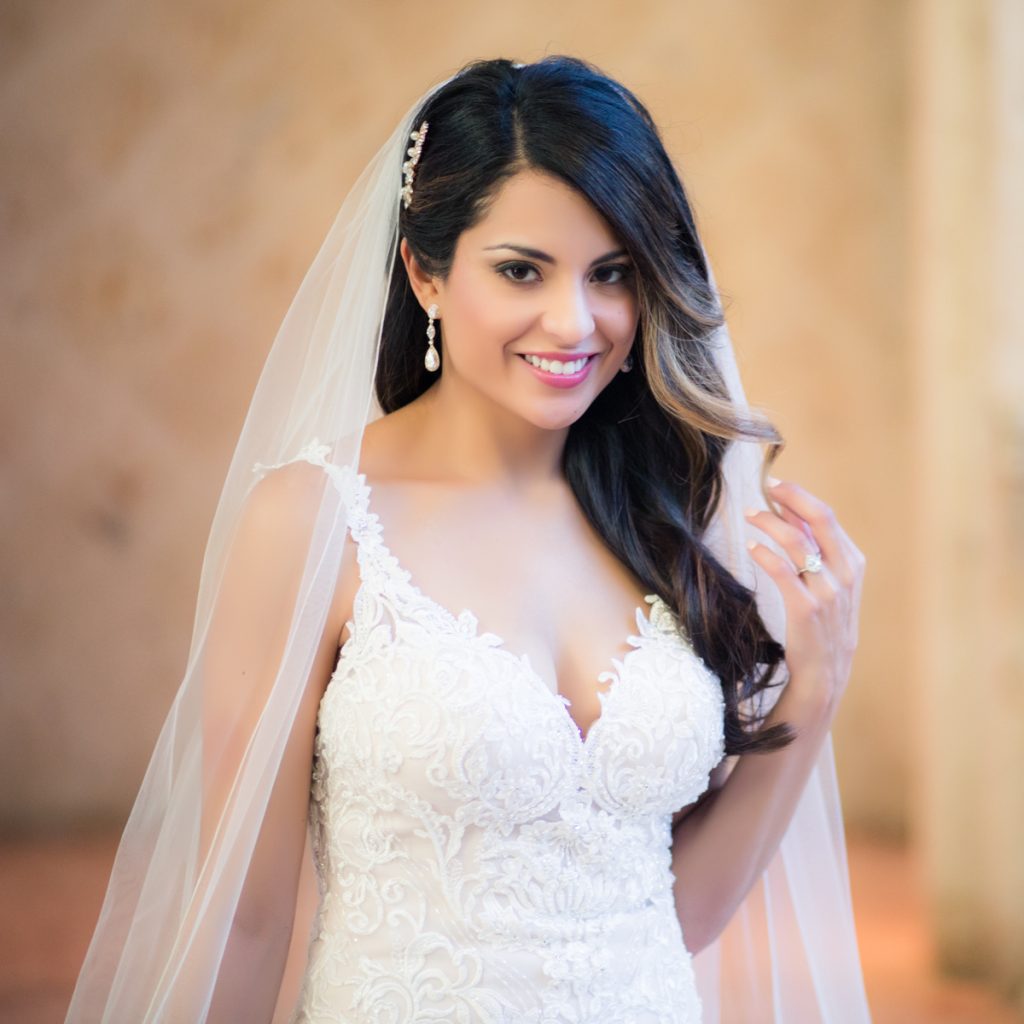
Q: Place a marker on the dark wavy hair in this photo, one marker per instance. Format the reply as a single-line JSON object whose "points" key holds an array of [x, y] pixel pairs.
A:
{"points": [[645, 459]]}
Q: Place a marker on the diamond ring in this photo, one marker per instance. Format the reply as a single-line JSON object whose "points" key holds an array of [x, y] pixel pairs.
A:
{"points": [[812, 563]]}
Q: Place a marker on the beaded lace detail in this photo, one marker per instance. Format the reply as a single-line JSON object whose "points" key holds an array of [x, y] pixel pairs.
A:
{"points": [[478, 860]]}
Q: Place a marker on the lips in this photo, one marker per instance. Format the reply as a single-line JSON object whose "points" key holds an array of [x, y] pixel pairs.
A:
{"points": [[559, 380]]}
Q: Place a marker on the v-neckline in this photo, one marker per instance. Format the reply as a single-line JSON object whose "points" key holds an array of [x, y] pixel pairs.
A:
{"points": [[403, 577]]}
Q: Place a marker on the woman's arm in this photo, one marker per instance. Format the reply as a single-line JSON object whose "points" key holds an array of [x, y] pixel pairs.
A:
{"points": [[722, 846], [239, 663]]}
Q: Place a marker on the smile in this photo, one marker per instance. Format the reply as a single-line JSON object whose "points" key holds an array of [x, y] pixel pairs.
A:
{"points": [[557, 372], [557, 365]]}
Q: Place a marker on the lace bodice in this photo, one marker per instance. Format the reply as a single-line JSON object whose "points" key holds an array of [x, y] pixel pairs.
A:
{"points": [[478, 859]]}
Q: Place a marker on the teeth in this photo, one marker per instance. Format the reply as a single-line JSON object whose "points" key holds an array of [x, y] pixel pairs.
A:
{"points": [[556, 365]]}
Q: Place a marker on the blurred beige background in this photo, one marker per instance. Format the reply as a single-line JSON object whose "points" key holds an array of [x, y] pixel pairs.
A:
{"points": [[168, 171]]}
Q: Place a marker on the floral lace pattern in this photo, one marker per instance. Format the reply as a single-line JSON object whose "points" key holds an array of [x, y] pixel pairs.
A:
{"points": [[479, 861]]}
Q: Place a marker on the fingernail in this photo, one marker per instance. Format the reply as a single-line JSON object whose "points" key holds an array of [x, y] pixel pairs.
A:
{"points": [[772, 481], [750, 512], [751, 544]]}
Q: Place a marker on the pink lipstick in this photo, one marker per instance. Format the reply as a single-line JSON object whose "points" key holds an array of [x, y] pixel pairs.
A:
{"points": [[558, 380]]}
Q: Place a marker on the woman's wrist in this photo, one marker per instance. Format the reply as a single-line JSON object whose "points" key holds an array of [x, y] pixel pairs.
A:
{"points": [[807, 705]]}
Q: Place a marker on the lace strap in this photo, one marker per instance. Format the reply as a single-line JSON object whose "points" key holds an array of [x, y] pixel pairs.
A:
{"points": [[351, 485]]}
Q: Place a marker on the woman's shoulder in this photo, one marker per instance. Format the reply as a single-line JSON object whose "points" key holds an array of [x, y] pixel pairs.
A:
{"points": [[290, 494], [379, 449], [299, 480], [286, 504], [284, 500]]}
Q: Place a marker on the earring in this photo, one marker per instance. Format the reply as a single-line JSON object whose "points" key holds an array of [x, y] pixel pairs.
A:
{"points": [[627, 364], [432, 360]]}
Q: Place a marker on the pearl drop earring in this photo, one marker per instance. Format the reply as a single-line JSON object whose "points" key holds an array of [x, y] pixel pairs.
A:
{"points": [[432, 360]]}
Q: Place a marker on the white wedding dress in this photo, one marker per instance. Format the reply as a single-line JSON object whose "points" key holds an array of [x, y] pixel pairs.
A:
{"points": [[478, 859]]}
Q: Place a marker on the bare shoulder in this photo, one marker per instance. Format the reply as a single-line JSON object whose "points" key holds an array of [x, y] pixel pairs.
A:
{"points": [[280, 511], [281, 515], [290, 493]]}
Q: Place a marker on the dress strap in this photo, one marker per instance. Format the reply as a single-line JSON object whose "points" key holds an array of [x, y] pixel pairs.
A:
{"points": [[351, 485]]}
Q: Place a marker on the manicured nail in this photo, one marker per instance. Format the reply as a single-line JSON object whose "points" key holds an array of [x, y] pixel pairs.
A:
{"points": [[773, 481], [751, 544], [750, 512]]}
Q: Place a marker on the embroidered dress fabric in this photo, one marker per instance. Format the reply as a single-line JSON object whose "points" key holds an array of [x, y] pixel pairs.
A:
{"points": [[478, 858]]}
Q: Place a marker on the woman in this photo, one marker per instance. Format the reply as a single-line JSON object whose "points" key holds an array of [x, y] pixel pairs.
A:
{"points": [[545, 822]]}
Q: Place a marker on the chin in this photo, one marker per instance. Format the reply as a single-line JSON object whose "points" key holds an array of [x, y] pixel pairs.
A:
{"points": [[554, 418]]}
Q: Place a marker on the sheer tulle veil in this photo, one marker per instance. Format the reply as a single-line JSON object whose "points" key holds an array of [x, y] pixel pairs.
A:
{"points": [[162, 947]]}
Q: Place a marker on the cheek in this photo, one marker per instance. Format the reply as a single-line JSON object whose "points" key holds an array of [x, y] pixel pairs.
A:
{"points": [[622, 321], [483, 313]]}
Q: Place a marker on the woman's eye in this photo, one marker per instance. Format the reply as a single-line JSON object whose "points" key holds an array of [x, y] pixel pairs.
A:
{"points": [[511, 271], [622, 269], [518, 272]]}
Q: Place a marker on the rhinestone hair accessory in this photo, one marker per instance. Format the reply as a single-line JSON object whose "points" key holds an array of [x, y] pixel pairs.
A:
{"points": [[409, 167]]}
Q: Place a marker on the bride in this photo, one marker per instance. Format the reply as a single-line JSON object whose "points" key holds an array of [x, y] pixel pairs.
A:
{"points": [[555, 736]]}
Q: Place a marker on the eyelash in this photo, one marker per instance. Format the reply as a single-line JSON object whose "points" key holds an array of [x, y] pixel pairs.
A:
{"points": [[624, 270]]}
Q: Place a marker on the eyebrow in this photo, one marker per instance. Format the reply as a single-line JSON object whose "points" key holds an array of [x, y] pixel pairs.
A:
{"points": [[536, 254]]}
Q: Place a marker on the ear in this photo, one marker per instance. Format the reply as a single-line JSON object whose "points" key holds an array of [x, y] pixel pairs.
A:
{"points": [[422, 284]]}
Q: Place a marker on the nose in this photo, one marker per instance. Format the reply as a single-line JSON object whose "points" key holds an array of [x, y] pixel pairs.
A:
{"points": [[567, 315]]}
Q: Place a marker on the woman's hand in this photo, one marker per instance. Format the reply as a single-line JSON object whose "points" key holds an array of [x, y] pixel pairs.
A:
{"points": [[821, 608]]}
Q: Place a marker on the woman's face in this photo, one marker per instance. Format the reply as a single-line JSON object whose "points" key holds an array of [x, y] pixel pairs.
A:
{"points": [[540, 279]]}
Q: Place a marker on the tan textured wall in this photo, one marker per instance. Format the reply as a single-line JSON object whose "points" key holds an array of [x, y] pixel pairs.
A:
{"points": [[168, 171], [967, 229]]}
